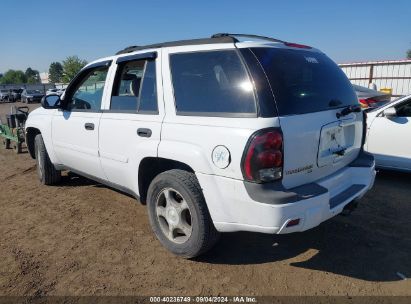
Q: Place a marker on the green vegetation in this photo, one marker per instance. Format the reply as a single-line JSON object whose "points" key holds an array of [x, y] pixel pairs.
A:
{"points": [[17, 76], [32, 76], [71, 66], [56, 72], [13, 76]]}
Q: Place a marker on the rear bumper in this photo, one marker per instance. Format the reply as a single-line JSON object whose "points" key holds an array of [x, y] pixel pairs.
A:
{"points": [[234, 207]]}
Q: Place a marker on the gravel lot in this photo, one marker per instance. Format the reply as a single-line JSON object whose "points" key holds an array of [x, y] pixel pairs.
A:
{"points": [[82, 238]]}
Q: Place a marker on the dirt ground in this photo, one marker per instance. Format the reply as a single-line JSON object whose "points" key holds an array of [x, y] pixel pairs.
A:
{"points": [[82, 238]]}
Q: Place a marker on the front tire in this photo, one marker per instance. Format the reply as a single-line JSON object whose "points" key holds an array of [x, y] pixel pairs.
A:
{"points": [[179, 215], [46, 172]]}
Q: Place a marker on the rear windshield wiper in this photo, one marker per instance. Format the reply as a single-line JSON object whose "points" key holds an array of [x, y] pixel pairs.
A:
{"points": [[348, 110]]}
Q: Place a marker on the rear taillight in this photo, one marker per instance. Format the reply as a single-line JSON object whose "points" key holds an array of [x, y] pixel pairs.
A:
{"points": [[367, 103], [263, 157]]}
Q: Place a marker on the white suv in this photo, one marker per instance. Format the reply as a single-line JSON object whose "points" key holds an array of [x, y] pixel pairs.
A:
{"points": [[229, 133]]}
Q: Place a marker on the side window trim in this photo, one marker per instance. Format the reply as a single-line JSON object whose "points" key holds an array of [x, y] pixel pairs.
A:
{"points": [[141, 85], [147, 57], [78, 78]]}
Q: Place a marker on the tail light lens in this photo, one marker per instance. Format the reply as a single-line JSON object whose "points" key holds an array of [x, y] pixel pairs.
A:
{"points": [[263, 157], [367, 103]]}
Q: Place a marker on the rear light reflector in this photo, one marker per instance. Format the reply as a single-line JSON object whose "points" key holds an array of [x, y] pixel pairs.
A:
{"points": [[294, 222], [263, 157]]}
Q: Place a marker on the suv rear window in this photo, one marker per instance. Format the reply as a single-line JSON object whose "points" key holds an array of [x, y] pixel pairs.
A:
{"points": [[305, 81], [212, 83]]}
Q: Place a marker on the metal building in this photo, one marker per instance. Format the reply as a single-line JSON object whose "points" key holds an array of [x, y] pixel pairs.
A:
{"points": [[394, 75]]}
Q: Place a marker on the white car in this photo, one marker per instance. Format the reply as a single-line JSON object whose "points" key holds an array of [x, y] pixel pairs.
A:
{"points": [[214, 135], [389, 130], [55, 91], [51, 91], [60, 91]]}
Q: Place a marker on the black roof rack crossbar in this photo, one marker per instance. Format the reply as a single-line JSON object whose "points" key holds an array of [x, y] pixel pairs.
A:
{"points": [[219, 35]]}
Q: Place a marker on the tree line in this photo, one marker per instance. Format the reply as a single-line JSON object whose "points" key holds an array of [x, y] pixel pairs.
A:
{"points": [[17, 76], [58, 72]]}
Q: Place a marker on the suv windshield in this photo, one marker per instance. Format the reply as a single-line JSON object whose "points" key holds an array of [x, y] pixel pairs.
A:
{"points": [[305, 81]]}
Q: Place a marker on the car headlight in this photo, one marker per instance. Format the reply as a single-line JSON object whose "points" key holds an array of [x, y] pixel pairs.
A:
{"points": [[29, 96]]}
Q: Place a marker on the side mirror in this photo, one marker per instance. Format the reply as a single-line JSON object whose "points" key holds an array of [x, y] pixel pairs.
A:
{"points": [[51, 101], [390, 112]]}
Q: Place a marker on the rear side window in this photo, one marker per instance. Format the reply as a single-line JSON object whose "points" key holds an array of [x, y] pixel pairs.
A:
{"points": [[304, 81], [135, 87], [212, 83]]}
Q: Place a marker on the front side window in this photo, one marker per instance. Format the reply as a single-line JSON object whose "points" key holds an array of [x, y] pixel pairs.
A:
{"points": [[211, 83], [135, 87], [89, 92], [404, 109]]}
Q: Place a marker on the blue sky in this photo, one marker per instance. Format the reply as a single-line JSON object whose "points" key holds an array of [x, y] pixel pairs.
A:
{"points": [[36, 33]]}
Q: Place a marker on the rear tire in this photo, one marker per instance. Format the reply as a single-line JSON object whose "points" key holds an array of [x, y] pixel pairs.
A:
{"points": [[47, 174], [179, 215]]}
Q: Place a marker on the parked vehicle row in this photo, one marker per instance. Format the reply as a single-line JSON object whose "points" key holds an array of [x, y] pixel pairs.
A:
{"points": [[23, 95], [4, 95], [28, 96], [192, 129], [15, 95]]}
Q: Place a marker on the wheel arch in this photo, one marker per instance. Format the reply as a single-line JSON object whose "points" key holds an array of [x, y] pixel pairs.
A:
{"points": [[31, 133], [150, 167]]}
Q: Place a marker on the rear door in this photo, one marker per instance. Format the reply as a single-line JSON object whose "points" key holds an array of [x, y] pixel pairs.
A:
{"points": [[310, 89], [131, 123]]}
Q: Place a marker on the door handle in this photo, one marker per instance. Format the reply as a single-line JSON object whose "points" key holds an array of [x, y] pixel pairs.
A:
{"points": [[89, 126], [144, 132]]}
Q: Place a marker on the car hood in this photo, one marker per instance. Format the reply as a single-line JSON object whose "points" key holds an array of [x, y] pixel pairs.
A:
{"points": [[35, 95]]}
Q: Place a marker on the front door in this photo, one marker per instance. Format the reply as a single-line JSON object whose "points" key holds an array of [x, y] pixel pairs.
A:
{"points": [[75, 129], [388, 138]]}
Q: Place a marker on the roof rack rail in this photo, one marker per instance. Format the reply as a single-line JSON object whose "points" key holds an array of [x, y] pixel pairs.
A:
{"points": [[127, 49], [222, 39], [219, 35]]}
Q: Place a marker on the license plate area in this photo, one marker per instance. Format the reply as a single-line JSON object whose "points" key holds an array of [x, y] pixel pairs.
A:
{"points": [[336, 142]]}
